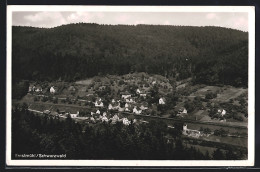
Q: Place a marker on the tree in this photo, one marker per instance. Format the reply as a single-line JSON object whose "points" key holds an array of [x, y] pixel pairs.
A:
{"points": [[35, 99], [55, 100], [211, 95], [218, 155]]}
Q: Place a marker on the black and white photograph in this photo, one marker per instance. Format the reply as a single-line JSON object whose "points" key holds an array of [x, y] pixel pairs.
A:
{"points": [[130, 86]]}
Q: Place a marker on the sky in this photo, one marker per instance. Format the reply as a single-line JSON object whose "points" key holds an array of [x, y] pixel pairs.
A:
{"points": [[47, 19]]}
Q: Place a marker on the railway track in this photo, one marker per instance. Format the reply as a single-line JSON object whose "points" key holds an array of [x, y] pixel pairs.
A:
{"points": [[161, 118]]}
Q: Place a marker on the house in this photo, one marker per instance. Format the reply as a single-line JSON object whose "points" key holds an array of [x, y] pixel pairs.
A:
{"points": [[39, 89], [104, 119], [74, 115], [101, 88], [189, 132], [99, 103], [162, 101], [121, 109], [126, 95], [33, 88], [30, 88], [98, 112], [110, 107], [182, 110], [221, 112], [52, 90], [114, 119], [126, 121], [129, 100], [92, 119], [143, 94], [47, 112], [126, 107], [137, 110], [143, 107], [72, 88], [154, 82]]}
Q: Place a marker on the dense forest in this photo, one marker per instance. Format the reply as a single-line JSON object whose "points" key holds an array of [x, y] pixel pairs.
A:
{"points": [[39, 134], [210, 55]]}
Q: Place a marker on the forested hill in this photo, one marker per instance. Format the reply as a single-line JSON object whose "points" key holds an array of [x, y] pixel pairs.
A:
{"points": [[211, 55]]}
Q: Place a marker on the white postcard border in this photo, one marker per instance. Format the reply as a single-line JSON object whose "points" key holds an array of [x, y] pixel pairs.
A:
{"points": [[251, 86]]}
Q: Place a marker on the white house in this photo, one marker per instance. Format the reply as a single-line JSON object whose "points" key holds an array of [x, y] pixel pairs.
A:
{"points": [[92, 119], [114, 119], [99, 103], [126, 121], [142, 107], [182, 110], [110, 107], [74, 115], [143, 94], [126, 95], [52, 90], [223, 112], [38, 90], [136, 111], [129, 100], [104, 118], [161, 101], [126, 107], [30, 89], [46, 112], [189, 132], [97, 112], [138, 91]]}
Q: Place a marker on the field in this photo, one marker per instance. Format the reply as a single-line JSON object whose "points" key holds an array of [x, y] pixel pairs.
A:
{"points": [[229, 140], [203, 91], [225, 93], [229, 93], [85, 82]]}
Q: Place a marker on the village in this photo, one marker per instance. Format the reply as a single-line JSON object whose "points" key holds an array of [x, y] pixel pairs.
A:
{"points": [[114, 98]]}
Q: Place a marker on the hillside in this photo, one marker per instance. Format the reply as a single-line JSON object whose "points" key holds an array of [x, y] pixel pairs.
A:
{"points": [[210, 55]]}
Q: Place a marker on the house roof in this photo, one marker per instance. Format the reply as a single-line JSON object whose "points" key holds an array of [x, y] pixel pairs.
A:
{"points": [[72, 88]]}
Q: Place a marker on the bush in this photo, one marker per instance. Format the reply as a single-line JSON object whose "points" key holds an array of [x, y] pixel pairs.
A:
{"points": [[211, 95], [35, 99], [55, 100], [221, 132], [44, 99]]}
